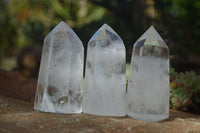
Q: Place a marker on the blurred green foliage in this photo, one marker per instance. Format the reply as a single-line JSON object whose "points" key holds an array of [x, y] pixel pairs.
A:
{"points": [[179, 20], [25, 22]]}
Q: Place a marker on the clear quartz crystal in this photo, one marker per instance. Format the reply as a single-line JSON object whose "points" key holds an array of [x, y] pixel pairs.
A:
{"points": [[148, 85], [105, 78], [59, 87]]}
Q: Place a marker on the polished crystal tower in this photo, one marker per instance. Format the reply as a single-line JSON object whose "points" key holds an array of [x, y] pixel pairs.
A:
{"points": [[148, 85], [105, 78], [59, 87]]}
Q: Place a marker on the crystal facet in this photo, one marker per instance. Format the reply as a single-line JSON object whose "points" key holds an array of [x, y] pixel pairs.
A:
{"points": [[148, 85], [105, 79], [59, 88]]}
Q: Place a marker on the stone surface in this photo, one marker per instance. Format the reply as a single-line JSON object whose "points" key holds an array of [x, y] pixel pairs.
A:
{"points": [[18, 116], [148, 85], [105, 79], [59, 86]]}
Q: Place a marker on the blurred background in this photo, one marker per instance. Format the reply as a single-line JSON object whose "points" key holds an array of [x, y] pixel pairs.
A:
{"points": [[25, 23]]}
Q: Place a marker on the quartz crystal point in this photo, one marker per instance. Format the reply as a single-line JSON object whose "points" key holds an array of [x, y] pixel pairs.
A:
{"points": [[148, 85], [59, 87], [105, 79]]}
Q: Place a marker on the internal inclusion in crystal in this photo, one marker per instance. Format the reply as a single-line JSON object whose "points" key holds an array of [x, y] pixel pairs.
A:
{"points": [[105, 80], [59, 88], [151, 50], [148, 85]]}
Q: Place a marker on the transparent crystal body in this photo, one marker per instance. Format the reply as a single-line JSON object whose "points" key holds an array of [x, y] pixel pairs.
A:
{"points": [[59, 87], [105, 79], [148, 85]]}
